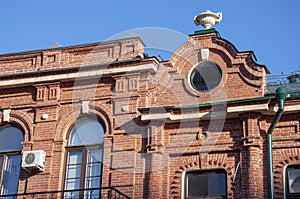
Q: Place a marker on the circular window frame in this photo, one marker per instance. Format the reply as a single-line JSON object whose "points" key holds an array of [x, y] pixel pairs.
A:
{"points": [[199, 90]]}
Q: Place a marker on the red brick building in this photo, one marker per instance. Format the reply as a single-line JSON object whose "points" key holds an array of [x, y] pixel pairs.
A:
{"points": [[113, 121]]}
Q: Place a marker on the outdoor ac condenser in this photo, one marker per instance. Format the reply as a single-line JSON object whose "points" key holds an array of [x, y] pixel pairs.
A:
{"points": [[34, 159]]}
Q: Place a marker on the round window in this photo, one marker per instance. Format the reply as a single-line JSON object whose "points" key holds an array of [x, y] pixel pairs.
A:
{"points": [[205, 76]]}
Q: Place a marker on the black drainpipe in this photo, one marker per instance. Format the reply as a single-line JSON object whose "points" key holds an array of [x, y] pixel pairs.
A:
{"points": [[280, 96]]}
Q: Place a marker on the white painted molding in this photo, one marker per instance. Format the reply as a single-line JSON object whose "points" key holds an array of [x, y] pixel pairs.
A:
{"points": [[204, 54], [80, 74], [235, 109], [287, 108], [6, 115], [247, 108], [162, 116], [158, 116], [85, 106]]}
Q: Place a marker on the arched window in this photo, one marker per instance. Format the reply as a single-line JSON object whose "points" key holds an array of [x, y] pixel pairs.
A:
{"points": [[10, 158], [84, 159]]}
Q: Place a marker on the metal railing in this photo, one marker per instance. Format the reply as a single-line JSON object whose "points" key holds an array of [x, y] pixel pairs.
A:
{"points": [[290, 82], [92, 193]]}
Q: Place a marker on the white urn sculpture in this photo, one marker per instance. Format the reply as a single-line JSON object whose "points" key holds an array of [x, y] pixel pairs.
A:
{"points": [[208, 19]]}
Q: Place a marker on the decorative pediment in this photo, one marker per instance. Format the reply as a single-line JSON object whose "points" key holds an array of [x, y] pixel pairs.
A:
{"points": [[209, 60]]}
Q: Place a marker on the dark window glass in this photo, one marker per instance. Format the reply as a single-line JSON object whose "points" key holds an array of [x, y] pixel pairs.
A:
{"points": [[206, 183], [10, 159], [292, 181], [84, 160], [206, 76]]}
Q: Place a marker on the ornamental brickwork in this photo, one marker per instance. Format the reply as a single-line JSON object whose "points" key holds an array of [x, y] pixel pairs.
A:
{"points": [[157, 125]]}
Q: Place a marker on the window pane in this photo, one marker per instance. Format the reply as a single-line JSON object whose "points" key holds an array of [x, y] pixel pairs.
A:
{"points": [[95, 155], [197, 185], [93, 172], [74, 165], [206, 76], [93, 182], [294, 180], [11, 174], [206, 183], [94, 165], [75, 157], [72, 184], [216, 184], [11, 138], [74, 171], [86, 132], [94, 169]]}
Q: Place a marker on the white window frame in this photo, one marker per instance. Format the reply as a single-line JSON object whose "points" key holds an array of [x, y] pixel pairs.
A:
{"points": [[285, 178]]}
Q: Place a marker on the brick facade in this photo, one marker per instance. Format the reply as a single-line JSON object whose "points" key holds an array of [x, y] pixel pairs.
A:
{"points": [[157, 126]]}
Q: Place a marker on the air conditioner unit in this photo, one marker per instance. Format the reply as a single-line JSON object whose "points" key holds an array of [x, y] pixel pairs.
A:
{"points": [[34, 159]]}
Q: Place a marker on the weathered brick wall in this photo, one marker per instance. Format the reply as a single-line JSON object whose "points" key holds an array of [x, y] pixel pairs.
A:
{"points": [[147, 158], [64, 57]]}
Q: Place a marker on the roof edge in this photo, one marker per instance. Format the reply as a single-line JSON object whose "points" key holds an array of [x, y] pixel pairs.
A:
{"points": [[71, 46]]}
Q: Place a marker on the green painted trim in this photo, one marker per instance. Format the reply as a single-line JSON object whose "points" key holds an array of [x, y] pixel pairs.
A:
{"points": [[202, 32], [266, 97], [208, 104], [280, 96], [270, 169]]}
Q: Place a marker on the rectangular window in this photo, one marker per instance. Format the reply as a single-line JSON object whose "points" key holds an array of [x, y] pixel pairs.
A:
{"points": [[84, 172], [206, 184], [292, 183], [10, 174], [73, 172], [93, 171]]}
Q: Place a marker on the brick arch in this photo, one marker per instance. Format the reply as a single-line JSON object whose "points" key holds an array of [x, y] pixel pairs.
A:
{"points": [[100, 111], [24, 121], [225, 55], [187, 163], [65, 123], [188, 56], [289, 156], [214, 161], [248, 70]]}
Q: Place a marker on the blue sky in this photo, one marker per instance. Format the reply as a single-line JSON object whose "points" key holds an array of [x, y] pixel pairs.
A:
{"points": [[269, 28]]}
